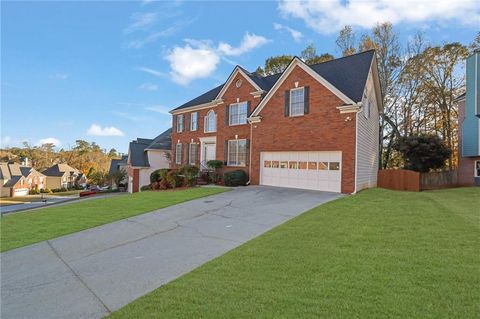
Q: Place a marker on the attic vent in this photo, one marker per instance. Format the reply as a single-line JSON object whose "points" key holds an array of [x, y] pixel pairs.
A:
{"points": [[238, 83]]}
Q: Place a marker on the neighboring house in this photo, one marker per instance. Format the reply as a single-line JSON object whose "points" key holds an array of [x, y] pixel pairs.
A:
{"points": [[116, 165], [469, 125], [63, 175], [17, 180], [145, 156], [311, 126]]}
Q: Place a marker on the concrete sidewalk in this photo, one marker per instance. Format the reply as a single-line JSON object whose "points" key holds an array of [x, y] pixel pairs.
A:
{"points": [[94, 272]]}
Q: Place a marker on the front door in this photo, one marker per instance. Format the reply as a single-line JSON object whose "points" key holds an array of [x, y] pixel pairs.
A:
{"points": [[209, 152]]}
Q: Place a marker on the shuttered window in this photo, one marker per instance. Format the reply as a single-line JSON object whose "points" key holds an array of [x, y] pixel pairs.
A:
{"points": [[238, 113], [178, 153], [193, 121], [297, 102], [237, 153]]}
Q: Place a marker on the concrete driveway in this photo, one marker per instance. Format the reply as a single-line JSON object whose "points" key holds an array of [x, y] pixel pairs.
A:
{"points": [[94, 272]]}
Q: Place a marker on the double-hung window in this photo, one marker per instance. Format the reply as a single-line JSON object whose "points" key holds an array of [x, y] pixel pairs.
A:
{"points": [[180, 122], [192, 154], [210, 122], [237, 113], [178, 153], [297, 102], [477, 168], [237, 153], [193, 121]]}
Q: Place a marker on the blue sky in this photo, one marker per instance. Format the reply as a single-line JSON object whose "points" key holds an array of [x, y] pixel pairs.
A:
{"points": [[110, 71]]}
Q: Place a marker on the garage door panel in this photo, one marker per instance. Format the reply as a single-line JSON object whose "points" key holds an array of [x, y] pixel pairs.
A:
{"points": [[307, 170]]}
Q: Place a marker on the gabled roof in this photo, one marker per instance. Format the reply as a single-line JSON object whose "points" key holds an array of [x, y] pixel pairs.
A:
{"points": [[116, 163], [162, 141], [347, 74], [60, 170], [137, 156], [14, 180], [4, 171]]}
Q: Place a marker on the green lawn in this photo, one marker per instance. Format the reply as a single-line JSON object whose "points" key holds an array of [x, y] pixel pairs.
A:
{"points": [[30, 227], [379, 254]]}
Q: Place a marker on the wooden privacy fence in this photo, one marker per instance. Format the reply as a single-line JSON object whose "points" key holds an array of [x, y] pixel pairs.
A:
{"points": [[406, 180]]}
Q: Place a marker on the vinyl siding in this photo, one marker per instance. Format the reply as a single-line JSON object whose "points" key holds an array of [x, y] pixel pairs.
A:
{"points": [[471, 124], [367, 142]]}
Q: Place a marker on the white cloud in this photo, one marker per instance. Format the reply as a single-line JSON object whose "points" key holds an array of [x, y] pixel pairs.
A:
{"points": [[5, 141], [199, 58], [249, 42], [158, 108], [97, 130], [151, 71], [148, 87], [188, 63], [141, 21], [48, 140], [296, 35], [59, 76], [330, 16]]}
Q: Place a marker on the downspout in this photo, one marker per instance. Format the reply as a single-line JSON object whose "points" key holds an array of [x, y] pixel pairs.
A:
{"points": [[356, 152], [250, 153]]}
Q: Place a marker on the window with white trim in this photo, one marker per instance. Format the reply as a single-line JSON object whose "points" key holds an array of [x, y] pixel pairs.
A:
{"points": [[477, 168], [180, 123], [237, 153], [193, 121], [192, 153], [237, 113], [210, 122], [178, 153], [297, 102]]}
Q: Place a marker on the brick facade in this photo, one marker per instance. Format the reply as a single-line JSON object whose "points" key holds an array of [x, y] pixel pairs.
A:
{"points": [[322, 129]]}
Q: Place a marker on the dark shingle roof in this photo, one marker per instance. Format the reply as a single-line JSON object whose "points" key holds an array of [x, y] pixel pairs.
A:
{"points": [[14, 180], [162, 141], [59, 170], [136, 152], [116, 162], [348, 74]]}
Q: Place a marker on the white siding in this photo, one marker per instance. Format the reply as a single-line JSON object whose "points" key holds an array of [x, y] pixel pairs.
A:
{"points": [[367, 141], [157, 160]]}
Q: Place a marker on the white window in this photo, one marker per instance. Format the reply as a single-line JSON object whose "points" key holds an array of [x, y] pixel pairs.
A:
{"points": [[297, 102], [193, 121], [210, 122], [180, 123], [237, 113], [178, 153], [237, 153], [192, 154], [477, 168]]}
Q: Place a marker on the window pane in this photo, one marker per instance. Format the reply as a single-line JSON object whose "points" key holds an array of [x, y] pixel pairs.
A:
{"points": [[275, 164], [312, 165], [178, 154], [238, 113], [296, 102], [283, 164], [194, 121], [242, 152], [322, 166], [293, 165], [232, 153], [180, 123], [334, 166], [302, 165], [267, 164]]}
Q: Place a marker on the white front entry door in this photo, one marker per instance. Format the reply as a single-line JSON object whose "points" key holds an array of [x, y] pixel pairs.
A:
{"points": [[209, 152], [309, 170]]}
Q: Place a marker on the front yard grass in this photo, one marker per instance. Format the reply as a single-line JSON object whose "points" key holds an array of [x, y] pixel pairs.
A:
{"points": [[378, 254], [30, 227]]}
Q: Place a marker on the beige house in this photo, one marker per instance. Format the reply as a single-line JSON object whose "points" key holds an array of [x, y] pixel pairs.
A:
{"points": [[63, 175], [17, 180]]}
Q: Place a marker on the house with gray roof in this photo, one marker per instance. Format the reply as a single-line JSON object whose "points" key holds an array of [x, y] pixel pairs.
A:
{"points": [[64, 176], [146, 156], [17, 180]]}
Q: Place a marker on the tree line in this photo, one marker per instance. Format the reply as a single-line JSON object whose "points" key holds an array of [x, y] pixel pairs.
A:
{"points": [[419, 83]]}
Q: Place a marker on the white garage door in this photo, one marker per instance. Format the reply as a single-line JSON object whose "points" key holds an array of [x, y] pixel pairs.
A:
{"points": [[308, 170], [20, 192]]}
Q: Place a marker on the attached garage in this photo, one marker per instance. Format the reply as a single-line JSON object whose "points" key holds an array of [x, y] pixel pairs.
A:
{"points": [[19, 192], [307, 170]]}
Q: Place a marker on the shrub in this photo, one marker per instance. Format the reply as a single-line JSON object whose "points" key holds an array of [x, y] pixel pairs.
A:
{"points": [[174, 179], [190, 174], [47, 190], [145, 188], [422, 153], [33, 192], [163, 173], [215, 164], [63, 189], [56, 190], [163, 184], [155, 176], [235, 178]]}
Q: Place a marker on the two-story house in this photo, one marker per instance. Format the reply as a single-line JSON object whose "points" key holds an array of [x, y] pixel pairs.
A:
{"points": [[310, 127], [17, 180], [64, 176], [469, 125]]}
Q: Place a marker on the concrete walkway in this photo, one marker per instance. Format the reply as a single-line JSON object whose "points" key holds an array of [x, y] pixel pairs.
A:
{"points": [[94, 272]]}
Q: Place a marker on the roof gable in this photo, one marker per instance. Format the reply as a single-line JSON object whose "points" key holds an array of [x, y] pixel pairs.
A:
{"points": [[245, 74], [162, 141]]}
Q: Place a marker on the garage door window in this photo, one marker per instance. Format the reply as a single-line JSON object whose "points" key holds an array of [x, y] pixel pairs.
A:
{"points": [[237, 152], [283, 164], [275, 164], [302, 165], [334, 166], [267, 164], [312, 165], [323, 166]]}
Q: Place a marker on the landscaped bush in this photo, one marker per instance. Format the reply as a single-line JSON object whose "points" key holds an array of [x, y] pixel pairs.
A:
{"points": [[235, 178], [215, 164], [33, 192], [155, 176], [174, 179], [63, 189], [214, 177], [163, 184], [56, 190], [45, 191], [190, 174], [145, 188]]}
